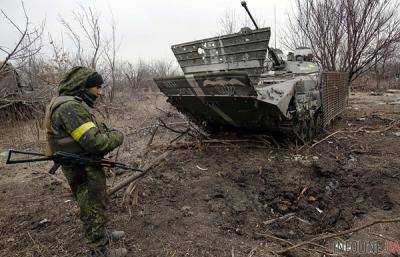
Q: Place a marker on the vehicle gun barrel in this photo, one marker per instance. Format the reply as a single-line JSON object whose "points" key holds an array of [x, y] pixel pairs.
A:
{"points": [[277, 62], [244, 4]]}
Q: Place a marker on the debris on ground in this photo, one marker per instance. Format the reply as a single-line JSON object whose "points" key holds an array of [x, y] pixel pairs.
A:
{"points": [[226, 196]]}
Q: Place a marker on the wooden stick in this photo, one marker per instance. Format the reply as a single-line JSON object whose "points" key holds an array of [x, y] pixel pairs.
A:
{"points": [[329, 136], [385, 237], [284, 217], [393, 124], [184, 145], [325, 138], [147, 147], [138, 175], [328, 236], [275, 238], [291, 244]]}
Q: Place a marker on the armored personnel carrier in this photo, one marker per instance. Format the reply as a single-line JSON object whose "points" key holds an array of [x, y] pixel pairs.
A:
{"points": [[237, 82]]}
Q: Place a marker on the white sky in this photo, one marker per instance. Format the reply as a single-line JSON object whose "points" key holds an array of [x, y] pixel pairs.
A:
{"points": [[148, 28]]}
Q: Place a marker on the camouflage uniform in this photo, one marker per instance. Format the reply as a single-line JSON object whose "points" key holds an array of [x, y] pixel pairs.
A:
{"points": [[72, 127]]}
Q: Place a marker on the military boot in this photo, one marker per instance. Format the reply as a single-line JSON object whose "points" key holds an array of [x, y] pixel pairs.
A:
{"points": [[117, 235]]}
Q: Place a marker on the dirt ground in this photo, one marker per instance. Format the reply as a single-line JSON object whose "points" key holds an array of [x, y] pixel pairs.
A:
{"points": [[244, 197]]}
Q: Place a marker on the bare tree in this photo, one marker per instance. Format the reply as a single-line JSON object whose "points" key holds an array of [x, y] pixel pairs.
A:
{"points": [[321, 22], [381, 63], [61, 59], [372, 31], [135, 75], [76, 39], [87, 28], [94, 47], [229, 22], [349, 35], [163, 68], [293, 36], [112, 47], [19, 94], [27, 44], [139, 76]]}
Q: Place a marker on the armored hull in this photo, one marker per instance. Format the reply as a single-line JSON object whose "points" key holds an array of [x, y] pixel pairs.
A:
{"points": [[228, 84]]}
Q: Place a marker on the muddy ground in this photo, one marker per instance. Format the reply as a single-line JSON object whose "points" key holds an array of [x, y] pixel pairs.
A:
{"points": [[250, 197]]}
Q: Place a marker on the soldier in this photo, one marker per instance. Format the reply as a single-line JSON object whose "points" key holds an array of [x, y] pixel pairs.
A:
{"points": [[72, 127]]}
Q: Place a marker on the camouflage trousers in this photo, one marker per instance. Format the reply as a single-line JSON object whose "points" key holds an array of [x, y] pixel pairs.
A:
{"points": [[88, 185]]}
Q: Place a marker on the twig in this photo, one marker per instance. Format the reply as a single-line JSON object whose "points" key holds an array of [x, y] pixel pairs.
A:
{"points": [[231, 141], [114, 175], [331, 135], [385, 237], [138, 175], [252, 251], [301, 220], [299, 137], [135, 131], [166, 112], [291, 244], [182, 133], [147, 147], [180, 136], [394, 123], [275, 143], [189, 129], [184, 145], [128, 199], [18, 52], [275, 238], [332, 235], [35, 244], [284, 217], [302, 192], [325, 138]]}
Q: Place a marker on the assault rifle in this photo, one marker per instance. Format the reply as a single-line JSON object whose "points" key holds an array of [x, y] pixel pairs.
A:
{"points": [[67, 158]]}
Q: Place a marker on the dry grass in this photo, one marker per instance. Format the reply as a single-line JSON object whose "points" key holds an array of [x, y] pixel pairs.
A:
{"points": [[368, 84], [22, 134], [134, 118]]}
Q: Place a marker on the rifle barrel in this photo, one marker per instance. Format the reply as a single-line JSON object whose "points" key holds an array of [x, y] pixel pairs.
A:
{"points": [[28, 160], [11, 151]]}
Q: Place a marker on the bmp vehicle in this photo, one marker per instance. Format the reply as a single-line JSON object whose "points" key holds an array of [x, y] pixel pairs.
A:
{"points": [[237, 82]]}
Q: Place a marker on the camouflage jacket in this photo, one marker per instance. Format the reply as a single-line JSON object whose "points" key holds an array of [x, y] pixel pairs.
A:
{"points": [[72, 127]]}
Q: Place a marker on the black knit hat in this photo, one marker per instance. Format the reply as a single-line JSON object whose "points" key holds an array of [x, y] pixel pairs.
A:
{"points": [[94, 80]]}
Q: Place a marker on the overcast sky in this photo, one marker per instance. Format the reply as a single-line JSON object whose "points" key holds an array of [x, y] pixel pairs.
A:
{"points": [[148, 28]]}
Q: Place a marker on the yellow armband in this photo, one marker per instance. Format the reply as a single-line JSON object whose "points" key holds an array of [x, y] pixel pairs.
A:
{"points": [[82, 129]]}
